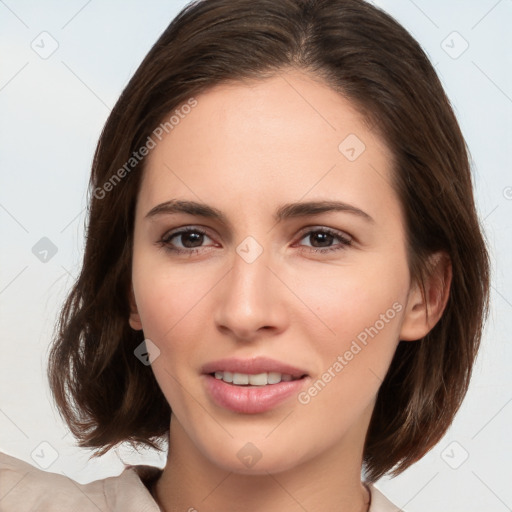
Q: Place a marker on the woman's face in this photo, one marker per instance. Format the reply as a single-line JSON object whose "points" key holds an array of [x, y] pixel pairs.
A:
{"points": [[269, 241]]}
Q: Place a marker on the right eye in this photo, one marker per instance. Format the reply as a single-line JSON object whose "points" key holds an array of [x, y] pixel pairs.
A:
{"points": [[185, 240]]}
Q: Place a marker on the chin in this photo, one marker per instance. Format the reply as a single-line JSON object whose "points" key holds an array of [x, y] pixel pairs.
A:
{"points": [[247, 458]]}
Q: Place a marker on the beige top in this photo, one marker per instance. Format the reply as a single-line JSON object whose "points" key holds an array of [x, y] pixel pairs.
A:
{"points": [[25, 488]]}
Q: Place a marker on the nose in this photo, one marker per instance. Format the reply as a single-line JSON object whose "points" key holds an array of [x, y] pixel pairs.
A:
{"points": [[250, 301]]}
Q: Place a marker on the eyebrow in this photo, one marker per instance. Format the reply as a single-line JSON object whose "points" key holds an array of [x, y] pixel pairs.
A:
{"points": [[303, 209], [286, 211], [190, 207]]}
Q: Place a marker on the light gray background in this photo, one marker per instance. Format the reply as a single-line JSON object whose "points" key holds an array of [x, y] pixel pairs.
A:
{"points": [[52, 112]]}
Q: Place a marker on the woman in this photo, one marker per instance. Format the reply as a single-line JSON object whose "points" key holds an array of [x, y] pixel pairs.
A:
{"points": [[284, 275]]}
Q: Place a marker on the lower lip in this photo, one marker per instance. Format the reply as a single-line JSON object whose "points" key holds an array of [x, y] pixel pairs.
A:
{"points": [[251, 399]]}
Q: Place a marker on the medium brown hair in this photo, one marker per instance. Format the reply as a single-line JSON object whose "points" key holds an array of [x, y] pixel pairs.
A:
{"points": [[103, 391]]}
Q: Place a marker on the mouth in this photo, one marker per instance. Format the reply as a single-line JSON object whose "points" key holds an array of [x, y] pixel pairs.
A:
{"points": [[251, 386]]}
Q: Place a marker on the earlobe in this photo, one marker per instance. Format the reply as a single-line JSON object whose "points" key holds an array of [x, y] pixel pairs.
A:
{"points": [[423, 310], [134, 320]]}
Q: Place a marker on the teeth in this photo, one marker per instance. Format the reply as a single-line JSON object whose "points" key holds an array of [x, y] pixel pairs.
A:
{"points": [[273, 377], [260, 379], [240, 378]]}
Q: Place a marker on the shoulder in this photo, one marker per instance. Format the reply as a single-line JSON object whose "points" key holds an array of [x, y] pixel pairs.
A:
{"points": [[379, 502], [24, 487]]}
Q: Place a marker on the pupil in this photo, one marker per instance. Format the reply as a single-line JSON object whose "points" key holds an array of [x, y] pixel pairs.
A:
{"points": [[323, 239], [192, 239]]}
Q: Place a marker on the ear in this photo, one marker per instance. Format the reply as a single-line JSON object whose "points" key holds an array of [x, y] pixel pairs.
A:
{"points": [[423, 311], [134, 319]]}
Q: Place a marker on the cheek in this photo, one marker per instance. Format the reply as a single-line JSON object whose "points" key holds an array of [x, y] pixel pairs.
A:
{"points": [[354, 357], [169, 301], [359, 311], [349, 300], [166, 294], [172, 301]]}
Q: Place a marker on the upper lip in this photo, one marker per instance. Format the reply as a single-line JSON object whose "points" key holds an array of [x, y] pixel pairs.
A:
{"points": [[252, 366]]}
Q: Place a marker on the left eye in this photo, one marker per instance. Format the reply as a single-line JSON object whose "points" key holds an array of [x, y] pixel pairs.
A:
{"points": [[323, 239]]}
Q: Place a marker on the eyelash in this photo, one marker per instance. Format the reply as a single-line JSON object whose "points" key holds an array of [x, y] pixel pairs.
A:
{"points": [[343, 240], [165, 241]]}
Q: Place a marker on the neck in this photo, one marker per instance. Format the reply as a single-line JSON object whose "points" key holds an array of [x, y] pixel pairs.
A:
{"points": [[192, 482]]}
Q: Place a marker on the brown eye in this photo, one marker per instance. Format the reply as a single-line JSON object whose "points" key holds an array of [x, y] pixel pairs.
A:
{"points": [[190, 239], [324, 239], [185, 240], [320, 239]]}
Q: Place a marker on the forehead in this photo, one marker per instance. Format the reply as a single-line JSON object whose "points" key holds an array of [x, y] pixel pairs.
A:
{"points": [[267, 141]]}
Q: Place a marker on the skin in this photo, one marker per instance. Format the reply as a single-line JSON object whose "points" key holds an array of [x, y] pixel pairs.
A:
{"points": [[246, 149]]}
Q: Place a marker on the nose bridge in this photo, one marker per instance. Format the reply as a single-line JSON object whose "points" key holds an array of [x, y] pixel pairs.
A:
{"points": [[250, 281], [250, 299]]}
